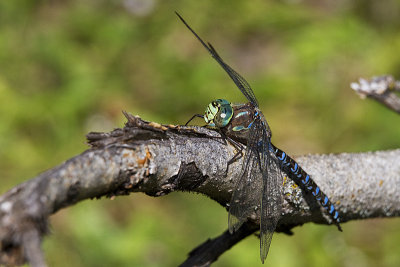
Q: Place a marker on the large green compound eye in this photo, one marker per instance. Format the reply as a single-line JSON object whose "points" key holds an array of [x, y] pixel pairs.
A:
{"points": [[218, 113]]}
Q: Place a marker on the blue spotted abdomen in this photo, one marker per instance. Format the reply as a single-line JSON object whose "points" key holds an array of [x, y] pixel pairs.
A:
{"points": [[300, 177]]}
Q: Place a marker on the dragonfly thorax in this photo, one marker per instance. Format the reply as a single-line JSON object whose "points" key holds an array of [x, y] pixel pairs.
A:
{"points": [[218, 113]]}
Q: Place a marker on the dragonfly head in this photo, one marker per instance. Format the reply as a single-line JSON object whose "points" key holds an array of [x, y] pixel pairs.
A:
{"points": [[218, 113]]}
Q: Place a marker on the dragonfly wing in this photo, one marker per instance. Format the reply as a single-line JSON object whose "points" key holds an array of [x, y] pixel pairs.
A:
{"points": [[247, 192], [240, 82], [271, 204]]}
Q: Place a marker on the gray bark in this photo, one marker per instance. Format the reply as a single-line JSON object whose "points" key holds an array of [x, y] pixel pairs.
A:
{"points": [[159, 159]]}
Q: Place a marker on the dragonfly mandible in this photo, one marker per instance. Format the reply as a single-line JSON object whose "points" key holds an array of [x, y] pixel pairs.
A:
{"points": [[245, 124]]}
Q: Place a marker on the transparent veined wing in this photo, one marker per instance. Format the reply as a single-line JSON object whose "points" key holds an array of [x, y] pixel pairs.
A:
{"points": [[259, 183], [240, 82], [246, 195], [271, 204]]}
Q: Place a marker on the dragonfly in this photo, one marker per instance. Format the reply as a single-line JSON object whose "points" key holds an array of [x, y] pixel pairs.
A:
{"points": [[263, 163]]}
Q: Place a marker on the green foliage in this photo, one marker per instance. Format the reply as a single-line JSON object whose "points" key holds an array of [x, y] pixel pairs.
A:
{"points": [[70, 67]]}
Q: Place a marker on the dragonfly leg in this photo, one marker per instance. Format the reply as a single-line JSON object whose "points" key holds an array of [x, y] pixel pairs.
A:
{"points": [[239, 148], [194, 116]]}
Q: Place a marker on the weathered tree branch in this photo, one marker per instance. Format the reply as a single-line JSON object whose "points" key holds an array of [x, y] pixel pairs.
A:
{"points": [[159, 159], [381, 89]]}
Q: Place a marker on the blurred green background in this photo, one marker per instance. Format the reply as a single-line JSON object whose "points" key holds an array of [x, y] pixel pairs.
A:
{"points": [[70, 67]]}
